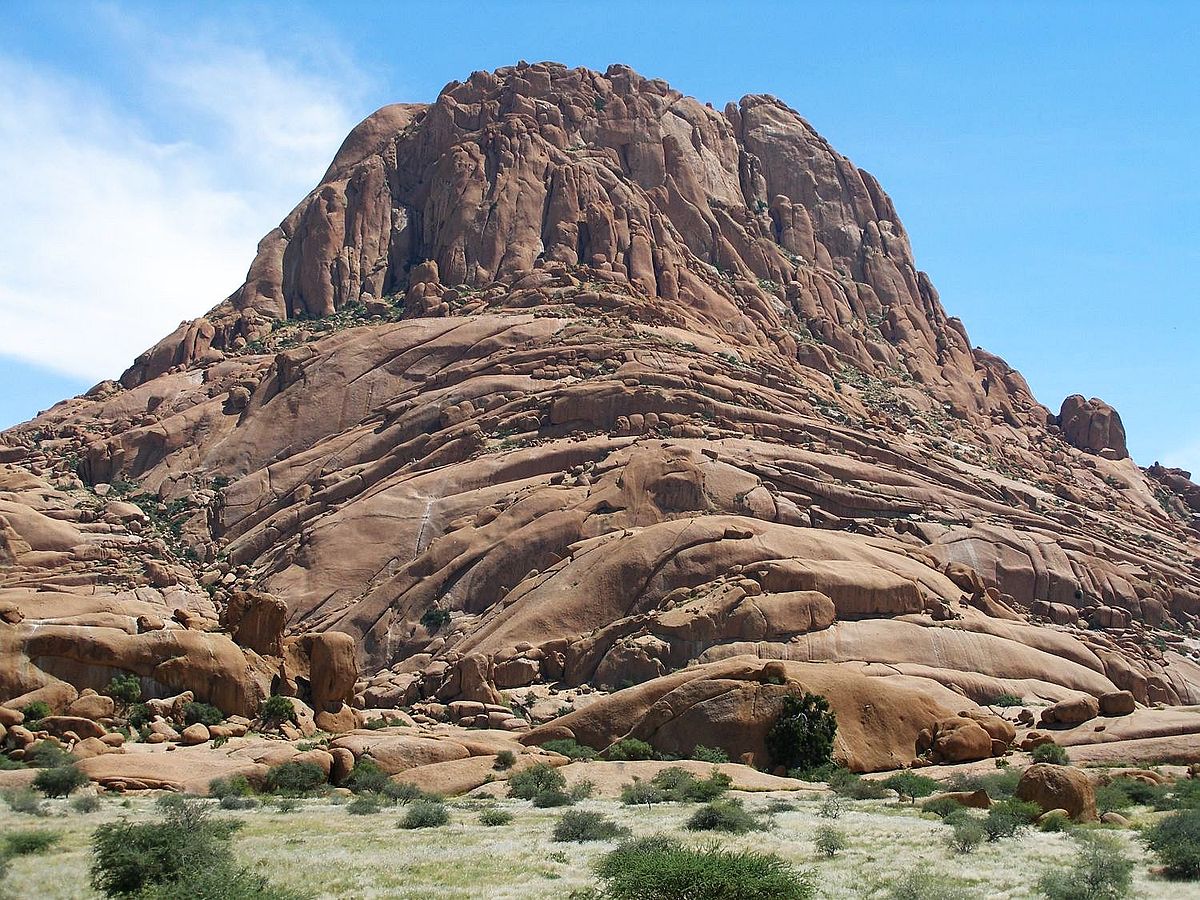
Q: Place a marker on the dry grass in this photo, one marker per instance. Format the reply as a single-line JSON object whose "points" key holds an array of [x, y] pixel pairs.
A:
{"points": [[321, 848]]}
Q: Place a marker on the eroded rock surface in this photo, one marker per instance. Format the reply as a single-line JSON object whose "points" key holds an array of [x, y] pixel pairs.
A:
{"points": [[564, 385]]}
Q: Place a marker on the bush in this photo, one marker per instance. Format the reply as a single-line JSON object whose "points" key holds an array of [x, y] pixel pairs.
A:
{"points": [[403, 792], [570, 748], [47, 754], [29, 841], [629, 749], [723, 815], [579, 825], [999, 785], [537, 779], [551, 798], [1056, 822], [581, 790], [295, 779], [1008, 817], [921, 883], [1184, 794], [802, 736], [233, 786], [856, 788], [942, 807], [1006, 700], [138, 716], [86, 803], [709, 754], [433, 619], [641, 793], [425, 814], [125, 690], [25, 801], [505, 760], [8, 764], [276, 710], [830, 808], [681, 786], [659, 868], [364, 805], [202, 713], [823, 772], [1051, 753], [35, 711], [367, 777], [494, 817], [829, 841], [1175, 840], [61, 781], [285, 804], [1101, 871], [1112, 798], [910, 785], [966, 834]]}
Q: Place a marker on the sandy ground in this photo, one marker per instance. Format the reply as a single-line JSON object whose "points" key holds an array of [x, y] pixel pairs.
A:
{"points": [[320, 848]]}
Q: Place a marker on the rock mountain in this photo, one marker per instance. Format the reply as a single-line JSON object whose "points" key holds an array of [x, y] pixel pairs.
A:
{"points": [[569, 390]]}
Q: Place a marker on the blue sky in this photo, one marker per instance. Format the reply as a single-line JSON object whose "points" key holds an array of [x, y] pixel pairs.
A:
{"points": [[1042, 156]]}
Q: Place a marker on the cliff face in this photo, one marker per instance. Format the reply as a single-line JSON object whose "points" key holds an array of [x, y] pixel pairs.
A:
{"points": [[620, 384]]}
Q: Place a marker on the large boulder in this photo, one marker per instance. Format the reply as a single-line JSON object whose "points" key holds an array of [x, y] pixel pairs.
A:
{"points": [[1071, 712], [955, 740], [1059, 787], [1117, 703], [1094, 426]]}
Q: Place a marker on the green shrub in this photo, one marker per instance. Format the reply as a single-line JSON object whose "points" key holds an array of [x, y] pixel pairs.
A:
{"points": [[364, 805], [138, 716], [537, 779], [1175, 840], [86, 803], [47, 754], [202, 713], [999, 785], [276, 710], [1184, 794], [425, 814], [802, 736], [1051, 753], [659, 868], [505, 760], [295, 778], [920, 883], [824, 772], [910, 785], [830, 841], [856, 788], [1100, 871], [35, 711], [494, 817], [1112, 798], [966, 833], [125, 690], [233, 786], [570, 748], [581, 790], [577, 825], [551, 798], [29, 841], [830, 808], [404, 792], [285, 804], [629, 749], [709, 754], [1138, 792], [1006, 700], [1006, 818], [941, 806], [367, 778], [641, 793], [24, 800], [8, 764], [681, 786], [776, 805], [433, 619], [1055, 821], [61, 781], [723, 815]]}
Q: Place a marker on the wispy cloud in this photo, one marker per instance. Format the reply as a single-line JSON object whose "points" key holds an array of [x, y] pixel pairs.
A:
{"points": [[117, 229]]}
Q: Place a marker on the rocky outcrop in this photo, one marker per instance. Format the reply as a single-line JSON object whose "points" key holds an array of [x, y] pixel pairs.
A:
{"points": [[568, 382], [1094, 426]]}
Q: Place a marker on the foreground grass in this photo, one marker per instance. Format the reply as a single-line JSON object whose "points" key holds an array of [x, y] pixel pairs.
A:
{"points": [[322, 849]]}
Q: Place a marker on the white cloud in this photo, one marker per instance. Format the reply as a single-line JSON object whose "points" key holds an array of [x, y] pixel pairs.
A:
{"points": [[112, 236]]}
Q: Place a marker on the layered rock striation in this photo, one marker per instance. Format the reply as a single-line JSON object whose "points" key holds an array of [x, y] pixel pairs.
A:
{"points": [[568, 379]]}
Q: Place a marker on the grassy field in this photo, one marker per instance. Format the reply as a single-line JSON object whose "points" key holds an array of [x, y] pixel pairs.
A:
{"points": [[321, 849]]}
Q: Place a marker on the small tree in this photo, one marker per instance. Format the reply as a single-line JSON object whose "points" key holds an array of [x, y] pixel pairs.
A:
{"points": [[35, 711], [60, 781], [1051, 753], [1175, 840], [802, 736], [202, 713], [295, 778], [276, 710], [830, 841], [910, 785], [1101, 871], [125, 691]]}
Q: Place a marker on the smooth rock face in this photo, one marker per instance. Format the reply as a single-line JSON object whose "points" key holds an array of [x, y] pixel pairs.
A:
{"points": [[568, 379]]}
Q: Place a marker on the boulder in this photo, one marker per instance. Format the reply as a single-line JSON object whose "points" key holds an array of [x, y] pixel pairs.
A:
{"points": [[194, 734], [92, 706], [1059, 787], [969, 799], [955, 740], [1117, 703], [1071, 712], [1094, 426], [60, 725]]}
